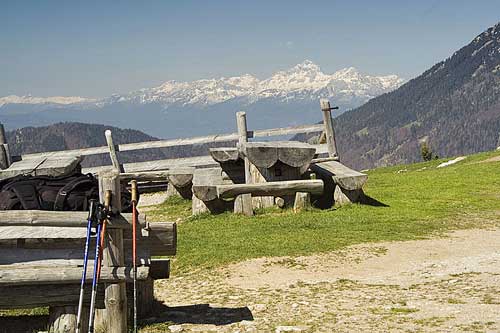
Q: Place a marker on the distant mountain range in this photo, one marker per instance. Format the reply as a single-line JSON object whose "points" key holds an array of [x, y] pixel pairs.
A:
{"points": [[454, 106], [208, 106]]}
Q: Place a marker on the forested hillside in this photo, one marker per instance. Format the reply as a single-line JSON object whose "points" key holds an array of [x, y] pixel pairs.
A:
{"points": [[63, 136], [454, 106]]}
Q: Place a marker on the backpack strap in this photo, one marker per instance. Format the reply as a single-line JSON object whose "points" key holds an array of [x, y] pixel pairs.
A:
{"points": [[63, 193], [27, 194]]}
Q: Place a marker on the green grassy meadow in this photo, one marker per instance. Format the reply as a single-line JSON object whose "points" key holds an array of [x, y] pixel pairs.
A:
{"points": [[420, 200]]}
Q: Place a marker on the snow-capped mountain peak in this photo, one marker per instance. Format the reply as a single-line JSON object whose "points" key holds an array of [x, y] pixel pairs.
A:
{"points": [[305, 80], [28, 99]]}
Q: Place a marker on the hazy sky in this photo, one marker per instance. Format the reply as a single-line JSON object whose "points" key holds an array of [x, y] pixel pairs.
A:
{"points": [[96, 48]]}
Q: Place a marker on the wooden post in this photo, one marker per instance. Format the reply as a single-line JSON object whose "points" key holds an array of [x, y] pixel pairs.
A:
{"points": [[62, 319], [243, 203], [5, 160], [329, 132], [112, 151], [114, 318]]}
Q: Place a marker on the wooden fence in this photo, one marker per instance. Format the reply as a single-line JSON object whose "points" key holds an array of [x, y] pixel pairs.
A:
{"points": [[140, 169]]}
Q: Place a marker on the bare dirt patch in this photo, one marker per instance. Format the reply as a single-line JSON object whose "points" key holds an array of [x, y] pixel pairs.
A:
{"points": [[449, 284], [491, 160]]}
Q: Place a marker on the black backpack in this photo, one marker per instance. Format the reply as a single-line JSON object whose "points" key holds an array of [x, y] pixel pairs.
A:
{"points": [[68, 193]]}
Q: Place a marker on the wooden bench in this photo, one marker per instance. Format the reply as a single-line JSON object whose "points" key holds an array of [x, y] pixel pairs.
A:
{"points": [[42, 166], [345, 184], [41, 257]]}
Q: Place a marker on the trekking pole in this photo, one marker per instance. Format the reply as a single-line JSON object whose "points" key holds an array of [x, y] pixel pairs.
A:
{"points": [[90, 219], [102, 217], [134, 247], [94, 278], [107, 201]]}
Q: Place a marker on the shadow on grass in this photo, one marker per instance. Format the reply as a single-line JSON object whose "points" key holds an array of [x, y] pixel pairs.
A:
{"points": [[367, 200], [23, 324], [198, 314]]}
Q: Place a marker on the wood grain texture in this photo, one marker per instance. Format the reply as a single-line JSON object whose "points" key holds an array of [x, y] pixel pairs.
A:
{"points": [[42, 166], [113, 256], [181, 177], [39, 275], [39, 218], [271, 188], [328, 125], [266, 154], [342, 175], [225, 154]]}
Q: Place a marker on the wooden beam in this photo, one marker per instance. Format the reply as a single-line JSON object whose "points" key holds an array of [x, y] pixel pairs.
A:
{"points": [[313, 186], [243, 204], [343, 176], [324, 159], [182, 142], [329, 131], [266, 154], [112, 151], [286, 131], [197, 161], [32, 296], [181, 177], [37, 275], [115, 317], [225, 154], [142, 145], [144, 176], [60, 219]]}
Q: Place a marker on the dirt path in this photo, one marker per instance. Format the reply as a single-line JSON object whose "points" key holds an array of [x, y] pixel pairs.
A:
{"points": [[445, 284]]}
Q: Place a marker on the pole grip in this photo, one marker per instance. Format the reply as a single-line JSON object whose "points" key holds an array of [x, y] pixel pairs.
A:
{"points": [[107, 198], [133, 185]]}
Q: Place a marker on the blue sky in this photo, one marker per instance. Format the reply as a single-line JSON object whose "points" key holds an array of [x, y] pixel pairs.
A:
{"points": [[96, 48]]}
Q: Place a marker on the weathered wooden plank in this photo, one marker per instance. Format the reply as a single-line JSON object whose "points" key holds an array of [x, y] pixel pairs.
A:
{"points": [[181, 177], [302, 201], [181, 142], [197, 161], [113, 256], [328, 125], [286, 131], [32, 296], [139, 145], [60, 219], [42, 166], [160, 238], [224, 154], [144, 176], [39, 275], [203, 200], [313, 186], [112, 151], [342, 175], [266, 154], [204, 181], [59, 257], [243, 204]]}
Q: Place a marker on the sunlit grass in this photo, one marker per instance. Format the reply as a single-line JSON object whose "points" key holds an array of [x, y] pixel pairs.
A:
{"points": [[421, 200]]}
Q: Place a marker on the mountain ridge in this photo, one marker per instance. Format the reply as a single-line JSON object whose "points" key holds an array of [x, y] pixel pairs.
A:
{"points": [[304, 78], [454, 106]]}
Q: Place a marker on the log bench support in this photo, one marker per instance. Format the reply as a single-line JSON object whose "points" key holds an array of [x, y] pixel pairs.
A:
{"points": [[180, 182], [345, 184]]}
